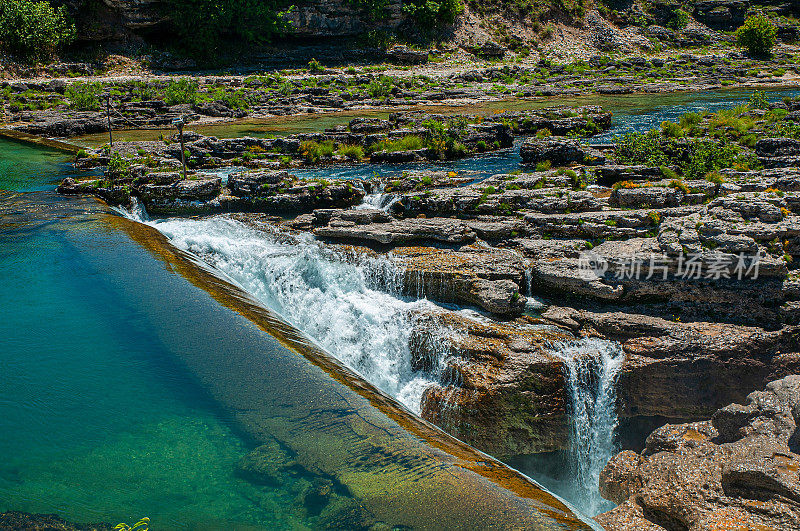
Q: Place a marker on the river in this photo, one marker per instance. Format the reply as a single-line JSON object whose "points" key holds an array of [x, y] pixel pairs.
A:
{"points": [[107, 419], [135, 381]]}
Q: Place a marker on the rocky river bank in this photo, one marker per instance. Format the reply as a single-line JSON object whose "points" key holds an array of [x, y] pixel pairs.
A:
{"points": [[63, 107], [679, 245]]}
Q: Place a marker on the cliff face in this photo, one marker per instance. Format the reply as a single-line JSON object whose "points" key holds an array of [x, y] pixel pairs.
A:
{"points": [[735, 471], [338, 18], [631, 27], [137, 14], [115, 19]]}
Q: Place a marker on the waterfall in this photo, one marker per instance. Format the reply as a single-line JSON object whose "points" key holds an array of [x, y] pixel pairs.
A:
{"points": [[347, 304], [379, 199], [350, 304], [591, 368], [137, 211]]}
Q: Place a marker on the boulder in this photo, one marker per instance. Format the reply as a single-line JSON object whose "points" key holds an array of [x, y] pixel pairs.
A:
{"points": [[737, 470], [721, 14], [485, 277], [646, 197], [491, 49], [503, 386], [399, 231], [249, 182], [406, 56], [369, 125], [777, 147], [559, 152]]}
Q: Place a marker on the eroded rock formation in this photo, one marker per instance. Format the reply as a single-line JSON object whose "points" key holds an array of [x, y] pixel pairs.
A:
{"points": [[738, 470]]}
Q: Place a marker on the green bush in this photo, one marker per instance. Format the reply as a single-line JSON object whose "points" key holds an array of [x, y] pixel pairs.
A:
{"points": [[444, 137], [716, 178], [144, 91], [34, 30], [407, 143], [757, 35], [758, 100], [380, 87], [183, 90], [119, 167], [315, 66], [84, 96], [709, 156], [640, 148], [352, 152], [679, 19], [671, 129], [314, 151], [235, 99], [690, 119], [668, 173], [430, 14]]}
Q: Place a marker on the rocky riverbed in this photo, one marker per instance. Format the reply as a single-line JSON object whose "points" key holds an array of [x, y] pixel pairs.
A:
{"points": [[62, 107], [679, 245]]}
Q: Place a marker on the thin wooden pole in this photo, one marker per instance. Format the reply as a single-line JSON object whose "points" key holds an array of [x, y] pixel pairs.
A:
{"points": [[108, 118]]}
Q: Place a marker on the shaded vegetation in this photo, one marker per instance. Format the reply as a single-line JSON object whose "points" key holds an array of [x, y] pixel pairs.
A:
{"points": [[34, 30]]}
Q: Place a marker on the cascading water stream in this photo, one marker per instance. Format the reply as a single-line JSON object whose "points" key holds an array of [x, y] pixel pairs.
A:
{"points": [[591, 369], [349, 307], [378, 199]]}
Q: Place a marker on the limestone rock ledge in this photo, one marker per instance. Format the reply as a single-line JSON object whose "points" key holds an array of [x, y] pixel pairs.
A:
{"points": [[502, 388], [738, 470]]}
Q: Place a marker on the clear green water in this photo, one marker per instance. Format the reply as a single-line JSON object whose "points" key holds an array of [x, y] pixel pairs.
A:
{"points": [[126, 391], [99, 422], [27, 168]]}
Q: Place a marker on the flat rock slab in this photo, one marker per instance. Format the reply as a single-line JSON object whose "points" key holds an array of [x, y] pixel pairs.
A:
{"points": [[400, 231]]}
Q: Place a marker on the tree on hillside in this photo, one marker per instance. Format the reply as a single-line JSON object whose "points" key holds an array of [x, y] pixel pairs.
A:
{"points": [[33, 30], [757, 34]]}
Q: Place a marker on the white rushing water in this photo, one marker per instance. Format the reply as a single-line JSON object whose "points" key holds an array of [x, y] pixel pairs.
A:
{"points": [[350, 306], [379, 199], [347, 307], [591, 370]]}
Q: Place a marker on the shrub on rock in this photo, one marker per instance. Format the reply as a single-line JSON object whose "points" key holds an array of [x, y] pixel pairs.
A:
{"points": [[757, 34]]}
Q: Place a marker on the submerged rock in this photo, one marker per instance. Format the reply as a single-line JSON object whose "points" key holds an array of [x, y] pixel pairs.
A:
{"points": [[269, 464], [45, 522]]}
